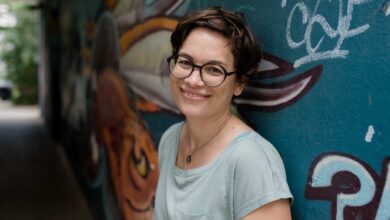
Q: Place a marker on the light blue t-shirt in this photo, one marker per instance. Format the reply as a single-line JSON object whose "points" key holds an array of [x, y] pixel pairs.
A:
{"points": [[247, 175]]}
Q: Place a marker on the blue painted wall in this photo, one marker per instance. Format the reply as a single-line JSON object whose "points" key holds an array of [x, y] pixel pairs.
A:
{"points": [[322, 97]]}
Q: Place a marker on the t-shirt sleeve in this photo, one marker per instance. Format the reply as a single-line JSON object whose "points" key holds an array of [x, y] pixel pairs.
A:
{"points": [[259, 176]]}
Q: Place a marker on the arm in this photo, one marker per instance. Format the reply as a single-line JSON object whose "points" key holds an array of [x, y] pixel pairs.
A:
{"points": [[276, 210]]}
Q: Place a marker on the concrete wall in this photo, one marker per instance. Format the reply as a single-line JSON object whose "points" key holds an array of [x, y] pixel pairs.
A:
{"points": [[322, 98]]}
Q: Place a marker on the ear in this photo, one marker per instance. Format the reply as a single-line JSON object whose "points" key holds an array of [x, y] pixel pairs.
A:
{"points": [[239, 88]]}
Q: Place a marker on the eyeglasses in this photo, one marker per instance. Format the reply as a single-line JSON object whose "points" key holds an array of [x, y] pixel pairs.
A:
{"points": [[211, 74]]}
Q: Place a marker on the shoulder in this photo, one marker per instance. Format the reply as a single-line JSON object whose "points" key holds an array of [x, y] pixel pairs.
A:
{"points": [[252, 146], [254, 156], [258, 173]]}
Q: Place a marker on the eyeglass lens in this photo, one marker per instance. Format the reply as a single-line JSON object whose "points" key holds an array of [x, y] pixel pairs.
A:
{"points": [[211, 74]]}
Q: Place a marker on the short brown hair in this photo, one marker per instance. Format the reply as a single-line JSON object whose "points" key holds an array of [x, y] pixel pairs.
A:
{"points": [[244, 47]]}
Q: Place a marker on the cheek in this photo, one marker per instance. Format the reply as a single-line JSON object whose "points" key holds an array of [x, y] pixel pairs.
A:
{"points": [[225, 95], [173, 85], [232, 88], [175, 90]]}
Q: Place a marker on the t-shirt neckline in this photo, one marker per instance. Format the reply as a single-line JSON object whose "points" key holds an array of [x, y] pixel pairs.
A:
{"points": [[204, 168]]}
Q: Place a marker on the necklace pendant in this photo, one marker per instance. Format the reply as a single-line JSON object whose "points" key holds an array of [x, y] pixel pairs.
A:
{"points": [[189, 159]]}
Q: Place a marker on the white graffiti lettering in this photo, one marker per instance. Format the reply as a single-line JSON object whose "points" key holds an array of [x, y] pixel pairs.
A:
{"points": [[383, 212], [329, 166], [284, 2], [310, 18], [366, 192]]}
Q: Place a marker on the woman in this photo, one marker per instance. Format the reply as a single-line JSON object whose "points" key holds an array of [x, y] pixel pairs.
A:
{"points": [[212, 165]]}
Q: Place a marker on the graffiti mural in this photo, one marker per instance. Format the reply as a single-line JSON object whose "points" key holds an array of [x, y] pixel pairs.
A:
{"points": [[269, 97], [311, 17], [351, 185], [129, 150], [121, 160], [320, 96]]}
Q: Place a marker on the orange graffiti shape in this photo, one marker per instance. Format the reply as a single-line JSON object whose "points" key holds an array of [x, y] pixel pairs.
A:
{"points": [[131, 152]]}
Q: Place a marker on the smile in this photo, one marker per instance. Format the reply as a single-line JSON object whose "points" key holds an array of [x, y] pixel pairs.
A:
{"points": [[193, 96]]}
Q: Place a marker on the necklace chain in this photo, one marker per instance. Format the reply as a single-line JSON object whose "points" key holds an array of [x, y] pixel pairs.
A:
{"points": [[189, 156]]}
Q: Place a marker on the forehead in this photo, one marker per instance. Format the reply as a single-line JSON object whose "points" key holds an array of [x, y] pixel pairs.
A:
{"points": [[203, 45]]}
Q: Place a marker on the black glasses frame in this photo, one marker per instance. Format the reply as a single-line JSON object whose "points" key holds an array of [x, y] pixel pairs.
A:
{"points": [[199, 67]]}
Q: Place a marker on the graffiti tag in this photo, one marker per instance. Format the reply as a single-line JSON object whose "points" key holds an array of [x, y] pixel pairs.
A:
{"points": [[353, 187], [310, 18]]}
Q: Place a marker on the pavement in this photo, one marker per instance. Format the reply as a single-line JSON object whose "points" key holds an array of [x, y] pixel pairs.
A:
{"points": [[36, 181], [9, 112]]}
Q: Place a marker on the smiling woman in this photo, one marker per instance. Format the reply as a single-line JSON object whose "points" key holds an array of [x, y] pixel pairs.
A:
{"points": [[212, 165], [193, 94]]}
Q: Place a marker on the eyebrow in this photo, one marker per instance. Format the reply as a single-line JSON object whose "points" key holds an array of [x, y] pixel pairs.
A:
{"points": [[208, 62]]}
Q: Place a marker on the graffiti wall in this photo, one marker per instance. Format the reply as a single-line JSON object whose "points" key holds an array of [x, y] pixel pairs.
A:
{"points": [[321, 97]]}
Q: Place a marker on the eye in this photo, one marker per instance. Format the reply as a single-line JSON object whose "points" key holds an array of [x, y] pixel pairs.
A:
{"points": [[139, 162], [184, 63], [142, 166], [214, 70]]}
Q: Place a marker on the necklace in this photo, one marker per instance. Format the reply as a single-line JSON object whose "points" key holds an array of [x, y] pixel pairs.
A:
{"points": [[189, 156]]}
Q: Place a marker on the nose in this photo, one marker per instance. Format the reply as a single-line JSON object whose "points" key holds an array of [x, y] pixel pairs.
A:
{"points": [[195, 79]]}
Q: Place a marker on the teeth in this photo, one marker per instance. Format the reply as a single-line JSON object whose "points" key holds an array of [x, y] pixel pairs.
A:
{"points": [[193, 95]]}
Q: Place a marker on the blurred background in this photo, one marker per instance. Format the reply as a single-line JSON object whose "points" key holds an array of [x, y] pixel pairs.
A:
{"points": [[84, 100], [18, 53]]}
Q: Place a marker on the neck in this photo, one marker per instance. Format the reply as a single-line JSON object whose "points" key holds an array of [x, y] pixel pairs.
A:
{"points": [[200, 131]]}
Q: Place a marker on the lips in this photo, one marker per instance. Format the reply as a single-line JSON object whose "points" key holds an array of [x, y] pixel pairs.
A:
{"points": [[193, 95]]}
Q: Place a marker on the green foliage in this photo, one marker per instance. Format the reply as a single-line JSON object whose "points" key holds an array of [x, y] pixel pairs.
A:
{"points": [[19, 53]]}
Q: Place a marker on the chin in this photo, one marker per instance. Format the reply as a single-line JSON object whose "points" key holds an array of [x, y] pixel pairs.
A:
{"points": [[189, 109], [189, 112]]}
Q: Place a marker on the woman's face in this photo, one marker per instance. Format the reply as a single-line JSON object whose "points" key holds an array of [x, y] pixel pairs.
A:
{"points": [[193, 97]]}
